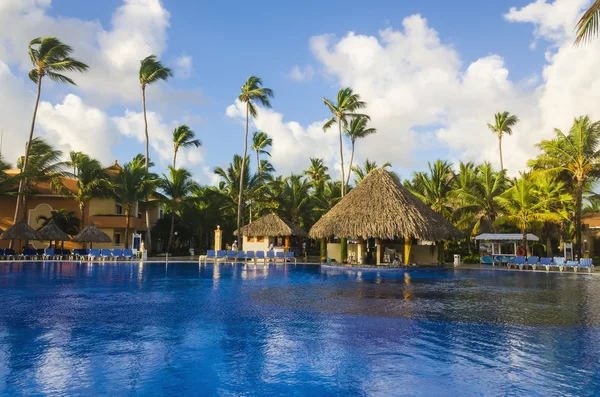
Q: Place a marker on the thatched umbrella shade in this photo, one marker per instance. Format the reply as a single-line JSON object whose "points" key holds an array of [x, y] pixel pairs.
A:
{"points": [[380, 207], [20, 231], [91, 234], [52, 232], [272, 225]]}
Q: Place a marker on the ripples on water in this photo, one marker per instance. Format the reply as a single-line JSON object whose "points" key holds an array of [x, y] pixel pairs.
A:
{"points": [[76, 329]]}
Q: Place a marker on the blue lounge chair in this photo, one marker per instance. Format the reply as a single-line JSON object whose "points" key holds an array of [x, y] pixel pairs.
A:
{"points": [[240, 257], [250, 255], [128, 254], [10, 253], [271, 255], [210, 254], [39, 252], [546, 262], [221, 254], [519, 261], [279, 255], [572, 264], [57, 253], [2, 253], [486, 260], [260, 255], [231, 255], [28, 253], [532, 261], [586, 263], [83, 254], [66, 254], [117, 253], [289, 256], [105, 253], [94, 253], [48, 254], [559, 262]]}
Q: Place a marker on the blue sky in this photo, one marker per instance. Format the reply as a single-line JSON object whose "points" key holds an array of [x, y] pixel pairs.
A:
{"points": [[228, 41]]}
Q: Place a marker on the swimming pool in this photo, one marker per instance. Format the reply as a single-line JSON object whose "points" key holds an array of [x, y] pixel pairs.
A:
{"points": [[181, 329]]}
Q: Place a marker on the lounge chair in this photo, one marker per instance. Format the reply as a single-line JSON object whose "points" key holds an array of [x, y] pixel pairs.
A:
{"points": [[260, 255], [231, 255], [221, 254], [240, 257], [290, 255], [210, 254], [486, 260], [39, 253], [2, 253], [83, 254], [94, 253], [28, 253], [280, 255], [546, 262], [48, 254], [117, 253], [532, 261], [559, 262], [105, 253], [572, 264], [271, 255], [586, 263], [519, 261], [128, 254], [250, 255]]}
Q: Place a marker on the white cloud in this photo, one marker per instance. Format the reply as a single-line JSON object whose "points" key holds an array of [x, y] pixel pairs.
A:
{"points": [[183, 66], [301, 74]]}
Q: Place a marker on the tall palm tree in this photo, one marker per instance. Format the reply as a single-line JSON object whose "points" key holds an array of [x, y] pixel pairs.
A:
{"points": [[587, 26], [576, 156], [434, 188], [151, 71], [260, 141], [50, 57], [131, 185], [74, 158], [178, 187], [230, 186], [522, 206], [342, 110], [183, 137], [252, 91], [357, 130], [92, 182], [503, 124]]}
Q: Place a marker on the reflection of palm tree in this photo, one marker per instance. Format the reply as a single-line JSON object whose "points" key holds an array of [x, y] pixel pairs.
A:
{"points": [[50, 57]]}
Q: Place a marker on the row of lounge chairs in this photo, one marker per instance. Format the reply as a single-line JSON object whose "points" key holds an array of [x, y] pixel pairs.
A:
{"points": [[62, 254], [534, 262], [245, 256]]}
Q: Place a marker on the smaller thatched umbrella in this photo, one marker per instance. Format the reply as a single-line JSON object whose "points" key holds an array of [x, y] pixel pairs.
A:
{"points": [[20, 231], [91, 234], [272, 225], [52, 232]]}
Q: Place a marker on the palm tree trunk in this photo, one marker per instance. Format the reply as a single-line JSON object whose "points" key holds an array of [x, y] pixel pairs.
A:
{"points": [[174, 157], [548, 246], [22, 182], [524, 242], [350, 167], [257, 163], [239, 211], [578, 217], [500, 147], [82, 209], [148, 242], [169, 245], [342, 156], [126, 228]]}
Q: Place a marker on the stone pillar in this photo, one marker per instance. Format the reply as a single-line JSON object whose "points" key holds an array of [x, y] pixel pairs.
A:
{"points": [[359, 252], [218, 238]]}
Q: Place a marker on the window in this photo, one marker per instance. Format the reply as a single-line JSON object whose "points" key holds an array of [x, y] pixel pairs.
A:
{"points": [[118, 209], [117, 239], [260, 239]]}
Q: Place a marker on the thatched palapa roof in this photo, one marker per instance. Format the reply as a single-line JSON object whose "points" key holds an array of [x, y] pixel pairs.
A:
{"points": [[91, 234], [52, 232], [272, 225], [382, 208], [20, 231]]}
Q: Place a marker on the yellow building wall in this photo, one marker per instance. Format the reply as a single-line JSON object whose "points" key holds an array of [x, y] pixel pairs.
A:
{"points": [[253, 244], [102, 206]]}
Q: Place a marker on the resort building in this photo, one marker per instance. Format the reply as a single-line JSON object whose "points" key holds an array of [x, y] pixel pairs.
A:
{"points": [[271, 229], [106, 213]]}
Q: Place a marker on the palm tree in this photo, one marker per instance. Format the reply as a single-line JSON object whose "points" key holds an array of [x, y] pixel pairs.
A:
{"points": [[50, 57], [357, 130], [317, 173], [503, 125], [92, 182], [260, 141], [576, 156], [252, 91], [183, 137], [230, 186], [587, 26], [295, 200], [435, 187], [522, 206], [66, 220], [368, 166], [131, 185], [74, 158], [151, 71], [177, 186], [344, 109]]}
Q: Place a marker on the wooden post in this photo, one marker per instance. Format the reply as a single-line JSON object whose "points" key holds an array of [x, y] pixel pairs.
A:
{"points": [[407, 248], [287, 241], [378, 251]]}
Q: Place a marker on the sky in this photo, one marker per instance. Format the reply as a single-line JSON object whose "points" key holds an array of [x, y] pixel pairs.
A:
{"points": [[432, 73]]}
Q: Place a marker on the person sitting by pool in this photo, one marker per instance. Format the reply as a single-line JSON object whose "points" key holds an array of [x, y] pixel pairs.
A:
{"points": [[234, 247]]}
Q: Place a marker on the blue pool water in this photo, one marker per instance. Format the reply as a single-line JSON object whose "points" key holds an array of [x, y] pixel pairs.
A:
{"points": [[126, 329]]}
